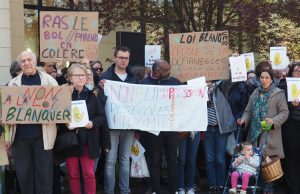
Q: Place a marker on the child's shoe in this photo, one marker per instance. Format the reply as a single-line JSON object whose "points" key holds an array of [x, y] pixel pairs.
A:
{"points": [[243, 192], [232, 191]]}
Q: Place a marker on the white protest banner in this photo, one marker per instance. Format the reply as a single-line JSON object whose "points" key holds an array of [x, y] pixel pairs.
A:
{"points": [[249, 59], [200, 81], [293, 88], [137, 150], [158, 108], [238, 68], [152, 53], [80, 116], [278, 57]]}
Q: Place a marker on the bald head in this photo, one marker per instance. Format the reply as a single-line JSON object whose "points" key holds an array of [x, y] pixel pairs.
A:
{"points": [[161, 69]]}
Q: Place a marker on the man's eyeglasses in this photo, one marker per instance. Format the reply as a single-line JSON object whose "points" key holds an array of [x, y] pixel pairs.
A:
{"points": [[98, 69], [297, 71], [79, 76], [123, 58]]}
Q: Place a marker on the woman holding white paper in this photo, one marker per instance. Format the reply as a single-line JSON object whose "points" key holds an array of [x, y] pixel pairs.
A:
{"points": [[89, 145], [290, 137]]}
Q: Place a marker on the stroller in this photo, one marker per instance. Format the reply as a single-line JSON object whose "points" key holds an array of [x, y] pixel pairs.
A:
{"points": [[254, 180]]}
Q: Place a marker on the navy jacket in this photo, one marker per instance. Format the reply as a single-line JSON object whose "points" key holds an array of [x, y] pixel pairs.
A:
{"points": [[237, 98]]}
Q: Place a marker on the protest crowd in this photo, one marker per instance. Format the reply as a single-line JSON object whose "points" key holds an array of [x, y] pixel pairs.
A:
{"points": [[254, 112]]}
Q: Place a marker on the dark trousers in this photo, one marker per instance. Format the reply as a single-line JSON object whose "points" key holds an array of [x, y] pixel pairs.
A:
{"points": [[291, 145], [154, 145], [34, 166]]}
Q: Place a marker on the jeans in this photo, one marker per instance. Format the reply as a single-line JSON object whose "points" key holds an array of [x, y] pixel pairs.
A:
{"points": [[153, 145], [121, 142], [188, 149], [215, 150], [34, 166], [87, 166]]}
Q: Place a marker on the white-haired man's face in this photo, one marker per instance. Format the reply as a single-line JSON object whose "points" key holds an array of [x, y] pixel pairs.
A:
{"points": [[28, 63]]}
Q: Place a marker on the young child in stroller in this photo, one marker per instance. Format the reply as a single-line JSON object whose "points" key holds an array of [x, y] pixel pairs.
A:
{"points": [[245, 166]]}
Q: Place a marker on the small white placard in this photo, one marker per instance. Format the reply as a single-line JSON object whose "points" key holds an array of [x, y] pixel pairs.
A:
{"points": [[293, 88], [249, 59], [137, 150], [152, 53], [238, 68], [79, 114], [278, 57]]}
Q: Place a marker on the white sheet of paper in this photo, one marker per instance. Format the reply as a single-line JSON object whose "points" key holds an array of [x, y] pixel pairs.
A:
{"points": [[249, 59], [137, 150], [79, 114], [238, 68], [152, 53], [278, 57], [197, 81], [293, 88]]}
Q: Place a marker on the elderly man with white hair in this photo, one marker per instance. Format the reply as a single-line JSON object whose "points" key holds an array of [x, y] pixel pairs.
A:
{"points": [[32, 143]]}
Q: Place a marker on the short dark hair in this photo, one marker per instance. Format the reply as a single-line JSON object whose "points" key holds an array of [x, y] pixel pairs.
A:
{"points": [[155, 65], [292, 67], [121, 48], [269, 71], [94, 62], [14, 69], [261, 66]]}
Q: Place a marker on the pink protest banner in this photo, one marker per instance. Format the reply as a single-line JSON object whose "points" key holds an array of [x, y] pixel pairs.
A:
{"points": [[70, 36], [199, 54], [36, 104]]}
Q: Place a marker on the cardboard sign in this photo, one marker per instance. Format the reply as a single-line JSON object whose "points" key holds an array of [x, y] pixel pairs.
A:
{"points": [[137, 150], [199, 54], [70, 36], [152, 53], [278, 57], [250, 62], [293, 88], [238, 68], [156, 108], [80, 116], [36, 104]]}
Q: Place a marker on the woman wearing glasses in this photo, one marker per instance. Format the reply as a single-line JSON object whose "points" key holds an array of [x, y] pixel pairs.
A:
{"points": [[89, 145], [290, 137]]}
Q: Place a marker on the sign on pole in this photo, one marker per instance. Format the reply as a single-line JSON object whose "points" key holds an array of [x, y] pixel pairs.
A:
{"points": [[70, 36], [152, 53], [250, 62], [278, 57], [293, 88], [199, 54], [36, 104], [238, 68]]}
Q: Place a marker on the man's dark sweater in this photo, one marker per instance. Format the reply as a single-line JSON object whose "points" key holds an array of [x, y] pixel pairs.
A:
{"points": [[28, 131]]}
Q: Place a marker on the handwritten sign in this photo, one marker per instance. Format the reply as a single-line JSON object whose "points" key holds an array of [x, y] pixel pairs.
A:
{"points": [[278, 57], [238, 68], [152, 53], [293, 88], [79, 114], [36, 104], [249, 59], [70, 36], [156, 108], [199, 54]]}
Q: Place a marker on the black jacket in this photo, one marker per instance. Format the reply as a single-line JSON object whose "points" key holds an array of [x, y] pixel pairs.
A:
{"points": [[90, 137]]}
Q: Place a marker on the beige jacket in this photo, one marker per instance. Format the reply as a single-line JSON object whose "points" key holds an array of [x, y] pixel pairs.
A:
{"points": [[49, 130], [278, 111]]}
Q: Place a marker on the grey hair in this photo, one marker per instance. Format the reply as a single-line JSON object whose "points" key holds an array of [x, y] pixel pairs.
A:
{"points": [[155, 66], [33, 56]]}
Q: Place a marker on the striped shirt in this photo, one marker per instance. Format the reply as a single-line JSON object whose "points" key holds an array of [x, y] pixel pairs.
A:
{"points": [[212, 117]]}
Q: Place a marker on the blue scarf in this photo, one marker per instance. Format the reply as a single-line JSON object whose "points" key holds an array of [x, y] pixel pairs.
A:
{"points": [[259, 111]]}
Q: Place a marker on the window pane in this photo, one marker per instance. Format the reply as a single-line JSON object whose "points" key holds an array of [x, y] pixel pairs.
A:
{"points": [[31, 2], [31, 30], [57, 3]]}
